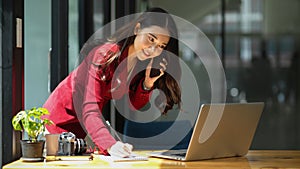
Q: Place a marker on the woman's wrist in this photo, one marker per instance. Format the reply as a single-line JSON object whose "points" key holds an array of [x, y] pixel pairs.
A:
{"points": [[146, 87]]}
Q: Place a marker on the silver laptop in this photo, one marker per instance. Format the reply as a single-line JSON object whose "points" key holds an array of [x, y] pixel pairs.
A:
{"points": [[221, 130]]}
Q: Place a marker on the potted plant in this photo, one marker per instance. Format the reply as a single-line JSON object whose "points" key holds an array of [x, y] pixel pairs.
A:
{"points": [[31, 122]]}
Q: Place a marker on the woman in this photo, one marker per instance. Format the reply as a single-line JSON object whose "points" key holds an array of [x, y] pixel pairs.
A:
{"points": [[134, 61]]}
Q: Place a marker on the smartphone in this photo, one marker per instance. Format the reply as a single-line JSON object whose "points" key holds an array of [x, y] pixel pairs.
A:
{"points": [[155, 70]]}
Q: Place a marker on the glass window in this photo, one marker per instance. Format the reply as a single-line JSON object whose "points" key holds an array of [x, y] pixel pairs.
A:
{"points": [[73, 34], [37, 40], [261, 58]]}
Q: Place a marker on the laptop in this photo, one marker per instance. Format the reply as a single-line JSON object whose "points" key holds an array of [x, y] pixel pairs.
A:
{"points": [[221, 130]]}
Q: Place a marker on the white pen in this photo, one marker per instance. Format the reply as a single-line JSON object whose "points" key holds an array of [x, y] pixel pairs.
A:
{"points": [[113, 130]]}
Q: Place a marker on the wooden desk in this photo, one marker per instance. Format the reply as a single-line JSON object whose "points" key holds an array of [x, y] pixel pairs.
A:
{"points": [[254, 159]]}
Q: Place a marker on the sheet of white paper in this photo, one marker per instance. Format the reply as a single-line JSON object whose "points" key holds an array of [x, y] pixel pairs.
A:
{"points": [[132, 157]]}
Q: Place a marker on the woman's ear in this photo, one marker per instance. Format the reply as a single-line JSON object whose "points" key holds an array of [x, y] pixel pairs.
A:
{"points": [[137, 28]]}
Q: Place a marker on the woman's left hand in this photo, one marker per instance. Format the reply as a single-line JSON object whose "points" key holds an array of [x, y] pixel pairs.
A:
{"points": [[149, 81]]}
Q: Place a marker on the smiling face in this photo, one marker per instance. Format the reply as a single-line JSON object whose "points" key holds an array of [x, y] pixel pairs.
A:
{"points": [[149, 41]]}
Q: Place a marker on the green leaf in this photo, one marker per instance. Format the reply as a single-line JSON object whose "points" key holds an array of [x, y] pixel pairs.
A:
{"points": [[31, 122], [17, 120]]}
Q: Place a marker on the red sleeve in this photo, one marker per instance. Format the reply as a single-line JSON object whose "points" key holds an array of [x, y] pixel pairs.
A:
{"points": [[93, 102], [140, 97]]}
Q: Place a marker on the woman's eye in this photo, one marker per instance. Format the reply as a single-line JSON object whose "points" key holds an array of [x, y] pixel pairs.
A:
{"points": [[162, 46], [150, 38]]}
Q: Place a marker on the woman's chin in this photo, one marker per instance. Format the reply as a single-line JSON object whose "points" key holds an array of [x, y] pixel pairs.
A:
{"points": [[142, 58]]}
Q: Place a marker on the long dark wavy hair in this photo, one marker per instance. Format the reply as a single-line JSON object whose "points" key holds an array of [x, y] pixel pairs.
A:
{"points": [[169, 82]]}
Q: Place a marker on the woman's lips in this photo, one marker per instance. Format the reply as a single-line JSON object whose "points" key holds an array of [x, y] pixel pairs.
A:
{"points": [[146, 53]]}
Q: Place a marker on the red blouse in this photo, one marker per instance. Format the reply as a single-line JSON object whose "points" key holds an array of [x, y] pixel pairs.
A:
{"points": [[76, 103]]}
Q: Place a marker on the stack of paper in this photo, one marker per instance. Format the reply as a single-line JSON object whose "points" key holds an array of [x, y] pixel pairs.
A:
{"points": [[132, 157]]}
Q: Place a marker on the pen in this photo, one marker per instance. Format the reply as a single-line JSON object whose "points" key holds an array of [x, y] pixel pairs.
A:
{"points": [[113, 130]]}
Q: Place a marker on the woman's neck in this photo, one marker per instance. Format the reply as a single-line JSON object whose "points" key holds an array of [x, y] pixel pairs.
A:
{"points": [[131, 59]]}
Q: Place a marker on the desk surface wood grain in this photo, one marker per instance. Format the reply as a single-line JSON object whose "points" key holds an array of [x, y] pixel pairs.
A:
{"points": [[254, 159]]}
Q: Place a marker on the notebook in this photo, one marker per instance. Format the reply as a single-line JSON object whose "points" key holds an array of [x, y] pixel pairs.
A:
{"points": [[221, 130], [132, 157]]}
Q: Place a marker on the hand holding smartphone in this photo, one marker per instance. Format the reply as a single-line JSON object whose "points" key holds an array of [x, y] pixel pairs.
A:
{"points": [[158, 65]]}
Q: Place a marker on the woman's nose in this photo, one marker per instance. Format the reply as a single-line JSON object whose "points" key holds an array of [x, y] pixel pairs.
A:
{"points": [[152, 48]]}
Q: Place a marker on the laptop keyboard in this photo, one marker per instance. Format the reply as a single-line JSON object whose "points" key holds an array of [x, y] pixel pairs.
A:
{"points": [[181, 154]]}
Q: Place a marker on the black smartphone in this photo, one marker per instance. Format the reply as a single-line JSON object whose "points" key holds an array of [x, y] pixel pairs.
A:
{"points": [[155, 70]]}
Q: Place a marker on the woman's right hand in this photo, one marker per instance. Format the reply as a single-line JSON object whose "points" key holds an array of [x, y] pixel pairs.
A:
{"points": [[149, 81], [120, 149]]}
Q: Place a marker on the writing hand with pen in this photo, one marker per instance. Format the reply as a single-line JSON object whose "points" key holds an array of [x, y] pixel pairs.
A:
{"points": [[119, 149]]}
